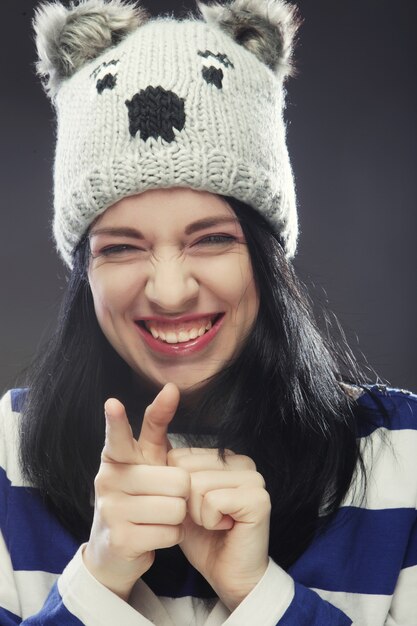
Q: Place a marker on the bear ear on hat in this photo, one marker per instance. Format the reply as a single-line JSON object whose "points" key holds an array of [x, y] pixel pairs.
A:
{"points": [[265, 27], [66, 38]]}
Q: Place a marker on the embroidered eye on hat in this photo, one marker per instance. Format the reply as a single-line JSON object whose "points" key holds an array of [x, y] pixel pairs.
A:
{"points": [[147, 103]]}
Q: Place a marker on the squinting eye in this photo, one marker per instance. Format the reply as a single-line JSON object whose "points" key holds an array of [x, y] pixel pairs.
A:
{"points": [[118, 250], [217, 239]]}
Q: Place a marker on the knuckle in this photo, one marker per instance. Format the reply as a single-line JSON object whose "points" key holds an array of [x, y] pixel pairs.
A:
{"points": [[178, 534], [174, 456], [244, 462], [263, 500], [209, 499], [171, 535], [99, 482], [183, 480], [250, 463], [197, 480], [180, 510], [108, 475], [109, 509], [181, 461], [103, 509], [258, 480]]}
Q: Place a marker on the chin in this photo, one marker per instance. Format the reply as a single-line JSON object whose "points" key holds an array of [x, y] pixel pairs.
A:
{"points": [[183, 380]]}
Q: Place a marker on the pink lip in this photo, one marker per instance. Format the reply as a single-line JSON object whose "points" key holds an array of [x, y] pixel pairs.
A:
{"points": [[184, 348]]}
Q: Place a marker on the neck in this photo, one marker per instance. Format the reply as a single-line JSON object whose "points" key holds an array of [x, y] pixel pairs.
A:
{"points": [[190, 417]]}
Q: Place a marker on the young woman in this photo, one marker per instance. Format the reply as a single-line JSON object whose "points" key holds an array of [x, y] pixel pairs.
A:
{"points": [[189, 449]]}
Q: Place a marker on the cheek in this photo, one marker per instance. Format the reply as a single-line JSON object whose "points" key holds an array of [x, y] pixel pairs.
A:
{"points": [[231, 278], [112, 292]]}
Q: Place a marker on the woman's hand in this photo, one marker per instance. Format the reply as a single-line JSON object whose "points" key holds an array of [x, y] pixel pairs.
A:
{"points": [[140, 504], [227, 526]]}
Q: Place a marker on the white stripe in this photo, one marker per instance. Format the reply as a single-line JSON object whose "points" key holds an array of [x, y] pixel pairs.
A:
{"points": [[33, 588], [363, 609], [404, 605], [390, 459]]}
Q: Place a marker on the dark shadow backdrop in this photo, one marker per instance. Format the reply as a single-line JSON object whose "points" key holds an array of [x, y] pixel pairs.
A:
{"points": [[352, 137]]}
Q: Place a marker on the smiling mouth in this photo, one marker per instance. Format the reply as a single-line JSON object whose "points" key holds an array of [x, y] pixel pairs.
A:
{"points": [[179, 332]]}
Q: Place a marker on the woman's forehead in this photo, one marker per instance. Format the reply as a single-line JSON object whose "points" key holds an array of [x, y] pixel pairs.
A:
{"points": [[162, 206]]}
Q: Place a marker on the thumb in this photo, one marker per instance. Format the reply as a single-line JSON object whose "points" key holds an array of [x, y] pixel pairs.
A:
{"points": [[153, 440]]}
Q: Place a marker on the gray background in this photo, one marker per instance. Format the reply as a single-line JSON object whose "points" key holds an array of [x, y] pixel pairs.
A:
{"points": [[352, 138]]}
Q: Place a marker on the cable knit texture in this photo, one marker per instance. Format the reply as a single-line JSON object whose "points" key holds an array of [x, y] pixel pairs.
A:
{"points": [[174, 103]]}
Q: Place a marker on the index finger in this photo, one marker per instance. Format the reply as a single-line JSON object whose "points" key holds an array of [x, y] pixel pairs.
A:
{"points": [[120, 446], [153, 440]]}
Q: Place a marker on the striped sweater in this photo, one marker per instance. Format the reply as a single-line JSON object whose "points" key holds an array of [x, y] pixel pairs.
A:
{"points": [[361, 570]]}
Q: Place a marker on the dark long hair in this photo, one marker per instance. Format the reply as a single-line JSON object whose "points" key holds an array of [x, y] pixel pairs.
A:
{"points": [[280, 401]]}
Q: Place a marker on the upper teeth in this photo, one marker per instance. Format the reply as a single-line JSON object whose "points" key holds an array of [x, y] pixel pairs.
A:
{"points": [[170, 334]]}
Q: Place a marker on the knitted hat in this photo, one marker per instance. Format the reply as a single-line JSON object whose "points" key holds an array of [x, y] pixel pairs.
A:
{"points": [[149, 103]]}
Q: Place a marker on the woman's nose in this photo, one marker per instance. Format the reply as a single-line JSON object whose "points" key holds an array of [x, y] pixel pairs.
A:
{"points": [[171, 287]]}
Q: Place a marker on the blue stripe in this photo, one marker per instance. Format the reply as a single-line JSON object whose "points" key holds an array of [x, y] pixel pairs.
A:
{"points": [[382, 407], [411, 555], [4, 486], [53, 612], [8, 619], [4, 492], [18, 397], [34, 537], [360, 551], [308, 609]]}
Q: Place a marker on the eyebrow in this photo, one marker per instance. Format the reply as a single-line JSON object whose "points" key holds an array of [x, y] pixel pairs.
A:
{"points": [[208, 223], [118, 231], [133, 233]]}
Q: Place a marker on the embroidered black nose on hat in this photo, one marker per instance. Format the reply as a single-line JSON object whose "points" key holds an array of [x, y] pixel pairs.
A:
{"points": [[155, 112], [154, 103]]}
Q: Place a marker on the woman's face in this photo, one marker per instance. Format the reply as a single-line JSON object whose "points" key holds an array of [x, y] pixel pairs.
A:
{"points": [[172, 283]]}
